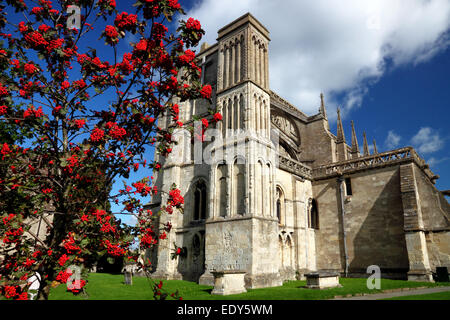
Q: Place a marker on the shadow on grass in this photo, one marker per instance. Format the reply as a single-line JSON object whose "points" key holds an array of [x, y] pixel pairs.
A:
{"points": [[208, 291]]}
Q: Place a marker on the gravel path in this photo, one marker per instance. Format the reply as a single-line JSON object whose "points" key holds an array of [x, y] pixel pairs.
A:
{"points": [[386, 295]]}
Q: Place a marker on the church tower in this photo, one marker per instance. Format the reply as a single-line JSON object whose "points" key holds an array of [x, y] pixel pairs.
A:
{"points": [[275, 210], [242, 220]]}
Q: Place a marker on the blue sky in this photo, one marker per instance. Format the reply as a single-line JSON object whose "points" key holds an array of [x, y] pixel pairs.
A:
{"points": [[386, 63]]}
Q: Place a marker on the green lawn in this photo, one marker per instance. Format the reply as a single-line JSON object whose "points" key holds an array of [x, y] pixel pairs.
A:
{"points": [[429, 296], [103, 286]]}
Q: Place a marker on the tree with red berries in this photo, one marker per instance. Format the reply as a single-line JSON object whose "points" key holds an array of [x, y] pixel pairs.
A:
{"points": [[77, 113]]}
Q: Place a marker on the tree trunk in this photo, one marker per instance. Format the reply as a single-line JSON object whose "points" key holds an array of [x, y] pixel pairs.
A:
{"points": [[44, 292]]}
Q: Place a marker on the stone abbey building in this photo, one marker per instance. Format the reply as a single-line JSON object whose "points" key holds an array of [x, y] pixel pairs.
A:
{"points": [[309, 202]]}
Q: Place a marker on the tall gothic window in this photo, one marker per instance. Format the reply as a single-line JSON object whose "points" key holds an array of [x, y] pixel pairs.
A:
{"points": [[279, 210], [348, 187], [280, 204], [221, 195], [241, 111], [314, 215], [259, 190], [200, 201], [238, 188]]}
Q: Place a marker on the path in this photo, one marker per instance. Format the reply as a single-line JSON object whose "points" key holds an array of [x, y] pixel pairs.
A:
{"points": [[386, 295]]}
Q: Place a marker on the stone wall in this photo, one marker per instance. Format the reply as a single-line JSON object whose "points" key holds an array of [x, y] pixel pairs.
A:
{"points": [[435, 208], [435, 215], [318, 144], [373, 223], [265, 263], [243, 243], [329, 250], [438, 245]]}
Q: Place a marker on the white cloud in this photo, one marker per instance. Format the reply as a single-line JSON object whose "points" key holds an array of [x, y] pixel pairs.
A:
{"points": [[392, 140], [427, 140], [434, 162], [335, 46]]}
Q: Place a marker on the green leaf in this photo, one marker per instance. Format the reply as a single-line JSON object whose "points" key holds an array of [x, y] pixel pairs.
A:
{"points": [[110, 260], [168, 16]]}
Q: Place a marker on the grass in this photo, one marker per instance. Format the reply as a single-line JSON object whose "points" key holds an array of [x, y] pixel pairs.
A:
{"points": [[429, 296], [103, 286]]}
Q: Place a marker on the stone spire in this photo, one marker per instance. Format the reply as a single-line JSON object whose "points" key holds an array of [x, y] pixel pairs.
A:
{"points": [[341, 147], [322, 109], [340, 129], [355, 146], [366, 146], [375, 151]]}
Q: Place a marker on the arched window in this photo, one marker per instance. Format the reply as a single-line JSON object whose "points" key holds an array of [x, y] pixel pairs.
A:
{"points": [[237, 114], [280, 205], [225, 118], [314, 215], [221, 195], [196, 245], [238, 188], [200, 201], [259, 190], [241, 111], [279, 210], [268, 191], [230, 115]]}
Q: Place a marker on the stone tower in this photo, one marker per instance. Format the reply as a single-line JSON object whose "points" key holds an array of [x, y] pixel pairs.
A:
{"points": [[242, 221], [274, 193]]}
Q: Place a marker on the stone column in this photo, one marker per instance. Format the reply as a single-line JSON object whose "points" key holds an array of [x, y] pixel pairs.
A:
{"points": [[252, 60], [231, 112], [238, 112], [166, 267], [211, 205], [268, 120], [229, 191], [224, 118], [263, 68], [419, 265], [225, 68], [257, 61], [220, 69], [266, 63], [233, 63], [238, 61], [260, 115]]}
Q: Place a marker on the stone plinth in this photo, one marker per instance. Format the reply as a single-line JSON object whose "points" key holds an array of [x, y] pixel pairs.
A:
{"points": [[322, 280], [420, 275], [228, 282]]}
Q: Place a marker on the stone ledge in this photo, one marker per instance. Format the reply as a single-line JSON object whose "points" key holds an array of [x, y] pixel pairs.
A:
{"points": [[228, 282], [322, 280], [378, 292], [322, 274]]}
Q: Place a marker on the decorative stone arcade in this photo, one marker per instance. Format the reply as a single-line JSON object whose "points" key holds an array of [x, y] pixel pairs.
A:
{"points": [[242, 228]]}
